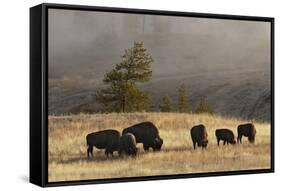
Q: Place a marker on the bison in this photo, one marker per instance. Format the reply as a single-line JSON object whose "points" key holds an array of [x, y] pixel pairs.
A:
{"points": [[127, 144], [225, 135], [106, 139], [146, 133], [199, 135], [247, 130]]}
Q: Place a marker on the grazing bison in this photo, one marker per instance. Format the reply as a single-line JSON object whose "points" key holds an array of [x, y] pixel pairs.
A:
{"points": [[146, 133], [127, 144], [107, 139], [247, 130], [225, 135], [199, 135]]}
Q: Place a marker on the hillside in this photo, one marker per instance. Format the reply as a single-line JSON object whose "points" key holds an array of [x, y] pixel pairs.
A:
{"points": [[242, 94]]}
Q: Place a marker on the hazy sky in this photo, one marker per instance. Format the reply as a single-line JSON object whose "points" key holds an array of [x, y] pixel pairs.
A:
{"points": [[87, 43]]}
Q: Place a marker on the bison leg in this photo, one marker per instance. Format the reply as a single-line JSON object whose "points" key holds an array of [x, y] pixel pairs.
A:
{"points": [[120, 153], [106, 152], [146, 147], [224, 142], [154, 149], [218, 142], [194, 145], [239, 139], [90, 151]]}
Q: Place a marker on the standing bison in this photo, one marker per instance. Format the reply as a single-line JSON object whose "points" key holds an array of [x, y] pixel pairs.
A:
{"points": [[146, 133], [127, 144], [199, 135], [107, 139], [225, 135], [247, 130]]}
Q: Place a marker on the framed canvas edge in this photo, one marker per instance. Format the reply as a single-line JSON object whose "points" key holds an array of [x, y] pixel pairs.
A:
{"points": [[36, 149], [155, 12], [44, 76], [159, 177]]}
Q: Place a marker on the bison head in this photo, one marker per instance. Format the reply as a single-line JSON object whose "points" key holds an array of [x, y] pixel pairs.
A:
{"points": [[133, 151], [251, 139], [157, 144], [203, 143]]}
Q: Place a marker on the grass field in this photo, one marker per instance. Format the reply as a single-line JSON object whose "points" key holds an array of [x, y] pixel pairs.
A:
{"points": [[67, 154]]}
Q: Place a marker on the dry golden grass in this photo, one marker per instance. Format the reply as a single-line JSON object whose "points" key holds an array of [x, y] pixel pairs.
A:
{"points": [[68, 159]]}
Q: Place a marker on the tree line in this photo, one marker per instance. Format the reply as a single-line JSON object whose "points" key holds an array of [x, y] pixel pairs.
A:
{"points": [[122, 94]]}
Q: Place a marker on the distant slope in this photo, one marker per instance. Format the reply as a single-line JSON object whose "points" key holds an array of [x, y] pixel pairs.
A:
{"points": [[241, 94]]}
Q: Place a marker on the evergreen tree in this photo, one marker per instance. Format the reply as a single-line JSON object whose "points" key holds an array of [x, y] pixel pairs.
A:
{"points": [[121, 93], [182, 99], [204, 107], [166, 105]]}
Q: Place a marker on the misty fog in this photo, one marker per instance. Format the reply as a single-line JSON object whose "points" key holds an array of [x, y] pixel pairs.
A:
{"points": [[227, 60]]}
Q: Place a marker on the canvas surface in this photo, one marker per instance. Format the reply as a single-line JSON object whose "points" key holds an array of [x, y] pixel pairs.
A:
{"points": [[214, 72]]}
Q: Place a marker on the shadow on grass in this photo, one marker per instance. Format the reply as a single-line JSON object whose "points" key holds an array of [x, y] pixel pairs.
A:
{"points": [[82, 159], [177, 149], [100, 157]]}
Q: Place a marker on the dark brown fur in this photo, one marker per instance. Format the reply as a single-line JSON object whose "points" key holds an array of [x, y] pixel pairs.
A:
{"points": [[226, 135], [146, 133], [127, 144], [247, 130], [107, 139], [199, 135]]}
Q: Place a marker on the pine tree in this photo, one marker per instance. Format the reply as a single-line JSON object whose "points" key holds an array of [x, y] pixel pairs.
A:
{"points": [[182, 99], [121, 93], [166, 105], [204, 107]]}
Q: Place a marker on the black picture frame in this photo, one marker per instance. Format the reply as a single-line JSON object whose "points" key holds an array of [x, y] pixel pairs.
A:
{"points": [[39, 92]]}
